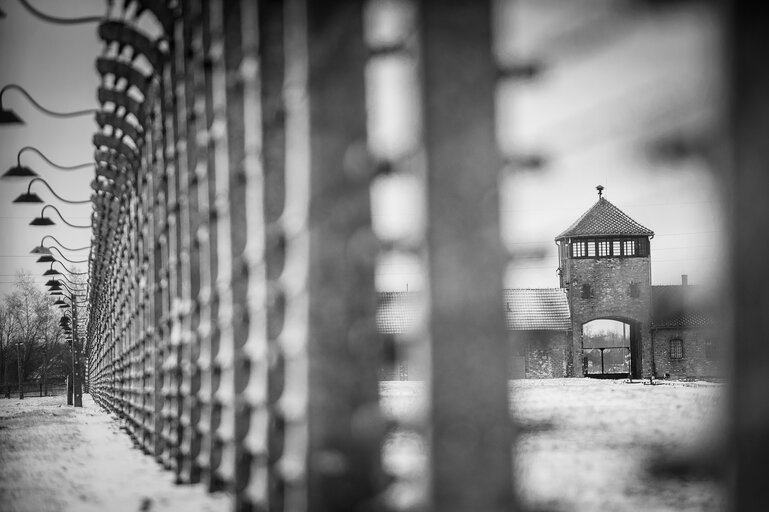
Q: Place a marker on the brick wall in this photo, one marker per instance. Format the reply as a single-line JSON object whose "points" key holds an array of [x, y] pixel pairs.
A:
{"points": [[544, 352], [610, 280], [698, 359]]}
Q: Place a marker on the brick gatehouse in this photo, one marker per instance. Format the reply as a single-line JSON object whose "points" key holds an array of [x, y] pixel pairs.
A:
{"points": [[606, 319]]}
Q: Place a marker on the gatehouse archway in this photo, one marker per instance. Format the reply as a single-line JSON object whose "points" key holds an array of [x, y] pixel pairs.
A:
{"points": [[610, 348]]}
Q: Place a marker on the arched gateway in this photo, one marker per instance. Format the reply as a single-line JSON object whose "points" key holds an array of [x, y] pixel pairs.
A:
{"points": [[605, 268]]}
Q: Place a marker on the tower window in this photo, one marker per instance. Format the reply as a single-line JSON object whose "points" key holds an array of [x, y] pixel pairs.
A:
{"points": [[676, 349], [578, 250], [635, 290], [643, 247], [587, 293], [607, 247]]}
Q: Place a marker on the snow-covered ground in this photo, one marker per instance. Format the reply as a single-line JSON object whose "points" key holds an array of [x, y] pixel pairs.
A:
{"points": [[54, 457], [585, 445]]}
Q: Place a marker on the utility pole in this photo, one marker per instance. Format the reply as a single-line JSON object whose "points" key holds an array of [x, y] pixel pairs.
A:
{"points": [[19, 346], [71, 376], [77, 371]]}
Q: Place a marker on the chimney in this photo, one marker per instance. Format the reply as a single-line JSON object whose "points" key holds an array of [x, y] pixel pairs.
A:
{"points": [[684, 279]]}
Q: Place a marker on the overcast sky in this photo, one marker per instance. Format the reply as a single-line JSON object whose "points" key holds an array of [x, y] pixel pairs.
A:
{"points": [[616, 78], [613, 82], [55, 63]]}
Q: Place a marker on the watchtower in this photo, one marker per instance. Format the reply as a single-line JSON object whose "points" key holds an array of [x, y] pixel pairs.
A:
{"points": [[604, 265]]}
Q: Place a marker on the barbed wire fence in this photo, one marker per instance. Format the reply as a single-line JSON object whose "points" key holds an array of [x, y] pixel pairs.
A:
{"points": [[232, 275], [231, 318]]}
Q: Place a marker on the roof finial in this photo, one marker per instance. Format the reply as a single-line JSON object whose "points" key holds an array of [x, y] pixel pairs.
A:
{"points": [[599, 188]]}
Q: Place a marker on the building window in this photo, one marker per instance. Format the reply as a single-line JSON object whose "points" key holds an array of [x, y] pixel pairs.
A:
{"points": [[628, 248], [709, 355], [604, 248], [643, 246], [587, 293], [616, 248], [591, 249], [676, 349], [578, 250], [635, 290]]}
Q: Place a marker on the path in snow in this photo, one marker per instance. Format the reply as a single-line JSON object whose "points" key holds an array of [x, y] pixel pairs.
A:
{"points": [[54, 457]]}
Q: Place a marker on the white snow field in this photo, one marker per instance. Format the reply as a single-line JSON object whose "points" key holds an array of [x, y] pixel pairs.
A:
{"points": [[585, 445]]}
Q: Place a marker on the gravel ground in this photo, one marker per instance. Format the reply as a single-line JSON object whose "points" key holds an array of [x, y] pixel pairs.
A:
{"points": [[585, 445]]}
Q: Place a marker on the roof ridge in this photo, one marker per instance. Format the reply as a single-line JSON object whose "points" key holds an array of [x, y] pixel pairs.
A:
{"points": [[604, 218]]}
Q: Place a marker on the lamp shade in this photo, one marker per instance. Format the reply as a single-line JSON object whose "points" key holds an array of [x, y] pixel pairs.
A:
{"points": [[9, 117], [55, 288], [54, 293], [52, 282], [51, 272], [28, 197], [19, 171], [42, 221], [45, 258], [40, 249], [59, 302]]}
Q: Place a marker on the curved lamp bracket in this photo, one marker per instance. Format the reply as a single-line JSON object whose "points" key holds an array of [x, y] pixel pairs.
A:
{"points": [[121, 99], [122, 70], [105, 141], [119, 123], [162, 13]]}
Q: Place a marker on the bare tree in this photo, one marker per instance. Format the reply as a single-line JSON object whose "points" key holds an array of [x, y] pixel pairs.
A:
{"points": [[50, 336], [7, 331], [30, 334]]}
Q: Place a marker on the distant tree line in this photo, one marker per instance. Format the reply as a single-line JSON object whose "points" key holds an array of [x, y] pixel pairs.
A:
{"points": [[30, 333]]}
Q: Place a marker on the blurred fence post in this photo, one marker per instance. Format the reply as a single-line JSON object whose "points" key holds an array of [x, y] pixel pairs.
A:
{"points": [[470, 429], [748, 74], [330, 401]]}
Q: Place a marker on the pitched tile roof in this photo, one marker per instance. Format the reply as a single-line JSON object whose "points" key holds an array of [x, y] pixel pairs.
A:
{"points": [[537, 309], [679, 306], [603, 218], [525, 309], [395, 312]]}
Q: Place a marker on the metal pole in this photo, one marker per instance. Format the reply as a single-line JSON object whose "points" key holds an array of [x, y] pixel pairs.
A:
{"points": [[330, 399], [70, 385], [748, 446], [470, 429]]}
